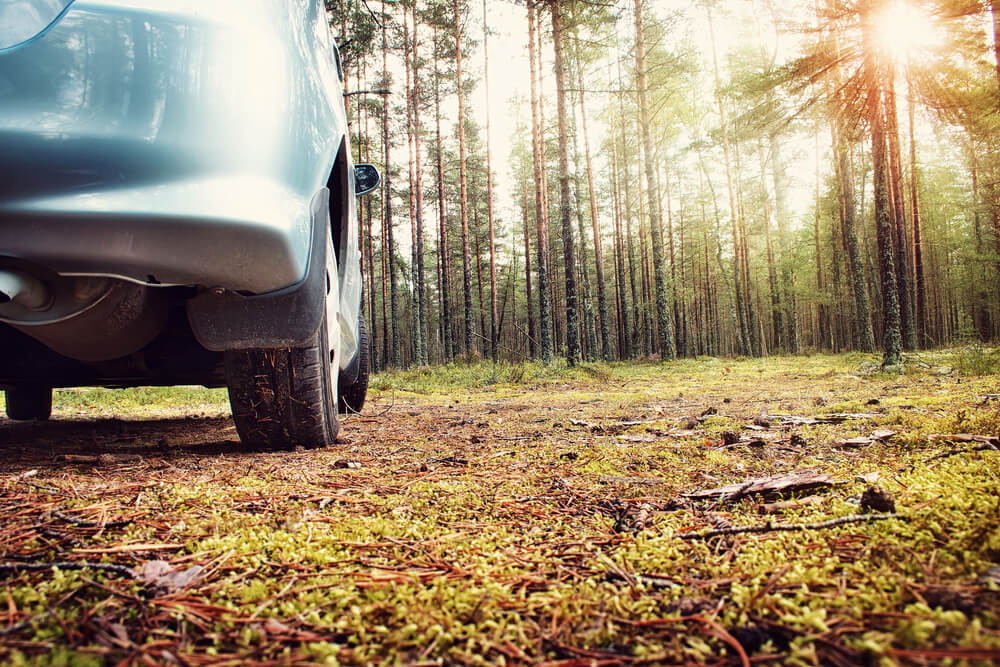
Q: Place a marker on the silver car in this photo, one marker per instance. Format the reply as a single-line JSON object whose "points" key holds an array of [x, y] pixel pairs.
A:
{"points": [[177, 206]]}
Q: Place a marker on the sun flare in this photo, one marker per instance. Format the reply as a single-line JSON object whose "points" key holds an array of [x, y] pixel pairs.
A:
{"points": [[905, 30]]}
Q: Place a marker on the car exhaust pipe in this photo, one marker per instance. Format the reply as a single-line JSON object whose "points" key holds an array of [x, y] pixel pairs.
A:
{"points": [[24, 290]]}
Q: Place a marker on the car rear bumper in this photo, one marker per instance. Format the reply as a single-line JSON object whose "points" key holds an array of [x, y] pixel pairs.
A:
{"points": [[160, 142], [170, 234]]}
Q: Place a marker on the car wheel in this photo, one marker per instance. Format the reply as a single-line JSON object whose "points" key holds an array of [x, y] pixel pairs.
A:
{"points": [[287, 397], [29, 402], [352, 397]]}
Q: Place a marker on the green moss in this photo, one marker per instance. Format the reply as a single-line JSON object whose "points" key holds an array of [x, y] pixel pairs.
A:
{"points": [[478, 531]]}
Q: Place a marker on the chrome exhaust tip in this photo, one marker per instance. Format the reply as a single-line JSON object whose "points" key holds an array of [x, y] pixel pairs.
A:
{"points": [[24, 290]]}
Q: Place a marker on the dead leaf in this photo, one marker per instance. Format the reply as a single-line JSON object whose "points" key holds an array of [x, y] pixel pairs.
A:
{"points": [[162, 575], [850, 443], [882, 434]]}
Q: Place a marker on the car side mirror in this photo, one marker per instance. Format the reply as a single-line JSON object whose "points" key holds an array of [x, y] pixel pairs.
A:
{"points": [[366, 178]]}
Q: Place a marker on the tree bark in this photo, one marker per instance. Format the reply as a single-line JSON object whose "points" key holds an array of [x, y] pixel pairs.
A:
{"points": [[666, 347], [602, 298], [901, 258], [918, 251], [494, 340], [388, 244], [525, 218], [410, 138], [873, 74], [541, 218], [422, 318], [443, 260], [463, 185], [565, 205], [742, 329]]}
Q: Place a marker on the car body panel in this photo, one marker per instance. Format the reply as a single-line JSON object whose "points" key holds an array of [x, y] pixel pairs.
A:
{"points": [[175, 142], [23, 21]]}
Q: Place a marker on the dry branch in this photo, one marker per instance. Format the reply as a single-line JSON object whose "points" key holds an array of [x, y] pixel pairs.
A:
{"points": [[799, 480], [14, 568], [786, 527]]}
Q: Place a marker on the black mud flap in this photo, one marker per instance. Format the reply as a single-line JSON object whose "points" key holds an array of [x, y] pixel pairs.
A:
{"points": [[285, 318]]}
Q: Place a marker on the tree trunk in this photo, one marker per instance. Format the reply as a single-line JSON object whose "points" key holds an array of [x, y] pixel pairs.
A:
{"points": [[446, 331], [532, 336], [781, 218], [777, 337], [463, 184], [624, 330], [891, 335], [602, 298], [421, 286], [417, 333], [388, 245], [918, 251], [995, 11], [901, 259], [666, 347], [981, 317], [742, 329], [678, 344], [494, 340], [477, 234], [541, 218], [565, 204]]}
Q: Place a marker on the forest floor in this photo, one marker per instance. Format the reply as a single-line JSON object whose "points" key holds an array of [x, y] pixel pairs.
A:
{"points": [[516, 514]]}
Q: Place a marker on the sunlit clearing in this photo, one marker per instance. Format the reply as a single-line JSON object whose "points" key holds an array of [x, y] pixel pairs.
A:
{"points": [[906, 31]]}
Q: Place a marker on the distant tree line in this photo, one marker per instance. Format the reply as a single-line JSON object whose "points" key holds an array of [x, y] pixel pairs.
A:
{"points": [[653, 183]]}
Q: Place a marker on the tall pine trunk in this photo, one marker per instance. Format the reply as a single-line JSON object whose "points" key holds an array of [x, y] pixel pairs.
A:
{"points": [[463, 185], [443, 258], [529, 303], [666, 347], [541, 217], [918, 249], [743, 334], [415, 260], [389, 246], [494, 340], [900, 258], [873, 74], [602, 298], [565, 204]]}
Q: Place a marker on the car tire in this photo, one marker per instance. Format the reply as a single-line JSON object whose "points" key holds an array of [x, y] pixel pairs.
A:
{"points": [[283, 398], [352, 397], [29, 402]]}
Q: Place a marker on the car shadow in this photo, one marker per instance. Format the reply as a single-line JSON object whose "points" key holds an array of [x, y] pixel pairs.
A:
{"points": [[83, 440]]}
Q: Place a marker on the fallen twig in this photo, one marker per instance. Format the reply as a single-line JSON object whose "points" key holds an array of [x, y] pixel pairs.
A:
{"points": [[992, 440], [952, 452], [798, 480], [769, 527], [83, 523], [14, 568]]}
